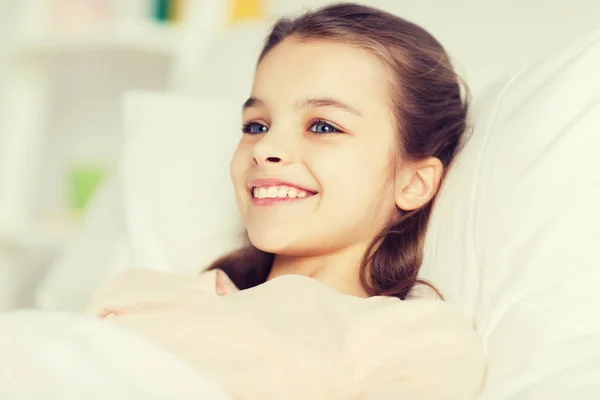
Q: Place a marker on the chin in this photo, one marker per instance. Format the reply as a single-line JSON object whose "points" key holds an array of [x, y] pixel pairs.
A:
{"points": [[276, 241], [268, 242], [285, 244]]}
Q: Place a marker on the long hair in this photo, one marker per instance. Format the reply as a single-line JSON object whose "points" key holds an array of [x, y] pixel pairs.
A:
{"points": [[430, 115]]}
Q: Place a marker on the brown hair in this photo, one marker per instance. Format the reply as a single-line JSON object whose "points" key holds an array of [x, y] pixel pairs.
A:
{"points": [[431, 119]]}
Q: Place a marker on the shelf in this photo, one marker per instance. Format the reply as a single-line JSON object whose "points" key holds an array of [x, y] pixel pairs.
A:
{"points": [[146, 37]]}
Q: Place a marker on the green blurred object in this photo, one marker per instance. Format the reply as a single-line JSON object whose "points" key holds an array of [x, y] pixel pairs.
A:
{"points": [[83, 182], [161, 10]]}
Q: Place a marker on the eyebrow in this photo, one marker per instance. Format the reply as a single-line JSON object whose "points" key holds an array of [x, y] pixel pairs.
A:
{"points": [[252, 102], [309, 103]]}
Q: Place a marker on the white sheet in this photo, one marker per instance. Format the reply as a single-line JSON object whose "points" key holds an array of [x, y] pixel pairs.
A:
{"points": [[69, 356]]}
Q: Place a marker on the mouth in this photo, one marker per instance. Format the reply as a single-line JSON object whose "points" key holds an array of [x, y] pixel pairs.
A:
{"points": [[263, 193]]}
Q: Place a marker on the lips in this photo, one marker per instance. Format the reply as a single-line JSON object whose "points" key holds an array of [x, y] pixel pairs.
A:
{"points": [[274, 182]]}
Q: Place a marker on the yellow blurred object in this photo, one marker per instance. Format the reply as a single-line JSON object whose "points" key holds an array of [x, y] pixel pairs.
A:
{"points": [[247, 10], [176, 10]]}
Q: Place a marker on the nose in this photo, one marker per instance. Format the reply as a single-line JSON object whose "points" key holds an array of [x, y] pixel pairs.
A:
{"points": [[270, 150]]}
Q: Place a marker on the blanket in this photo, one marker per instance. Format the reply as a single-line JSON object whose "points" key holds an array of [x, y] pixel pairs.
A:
{"points": [[52, 355]]}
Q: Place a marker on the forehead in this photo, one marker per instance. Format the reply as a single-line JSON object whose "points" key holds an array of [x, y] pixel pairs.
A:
{"points": [[297, 69]]}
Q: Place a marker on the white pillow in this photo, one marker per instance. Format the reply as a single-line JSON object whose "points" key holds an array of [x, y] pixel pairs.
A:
{"points": [[101, 250], [179, 205], [515, 233], [170, 205]]}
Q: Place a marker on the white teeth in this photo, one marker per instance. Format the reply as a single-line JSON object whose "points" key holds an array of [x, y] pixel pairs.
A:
{"points": [[262, 193], [278, 192], [272, 192]]}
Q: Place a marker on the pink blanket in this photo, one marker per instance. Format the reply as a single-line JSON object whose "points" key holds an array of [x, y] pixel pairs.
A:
{"points": [[295, 338]]}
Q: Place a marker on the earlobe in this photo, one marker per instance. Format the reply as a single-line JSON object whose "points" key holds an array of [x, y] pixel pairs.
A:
{"points": [[417, 183]]}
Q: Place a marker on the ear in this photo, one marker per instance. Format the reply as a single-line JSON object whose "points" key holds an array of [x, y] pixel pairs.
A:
{"points": [[417, 183]]}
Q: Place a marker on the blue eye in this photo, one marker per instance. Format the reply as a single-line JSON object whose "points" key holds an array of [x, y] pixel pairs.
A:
{"points": [[322, 127], [254, 128]]}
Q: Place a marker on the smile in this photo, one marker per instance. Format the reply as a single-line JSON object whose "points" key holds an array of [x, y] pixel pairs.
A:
{"points": [[271, 195], [278, 192]]}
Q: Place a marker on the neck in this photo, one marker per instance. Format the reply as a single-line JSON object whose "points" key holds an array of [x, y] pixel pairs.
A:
{"points": [[339, 270]]}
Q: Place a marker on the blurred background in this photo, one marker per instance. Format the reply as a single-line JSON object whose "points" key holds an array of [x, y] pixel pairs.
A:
{"points": [[66, 64]]}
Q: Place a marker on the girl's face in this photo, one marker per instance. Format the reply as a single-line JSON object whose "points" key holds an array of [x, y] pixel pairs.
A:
{"points": [[313, 172]]}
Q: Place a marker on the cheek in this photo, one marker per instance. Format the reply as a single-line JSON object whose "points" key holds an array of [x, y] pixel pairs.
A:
{"points": [[354, 175]]}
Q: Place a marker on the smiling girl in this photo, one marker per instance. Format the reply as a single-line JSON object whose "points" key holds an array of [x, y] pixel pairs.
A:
{"points": [[353, 119]]}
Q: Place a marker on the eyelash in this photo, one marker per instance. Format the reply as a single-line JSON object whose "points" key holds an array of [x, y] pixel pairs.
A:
{"points": [[246, 127]]}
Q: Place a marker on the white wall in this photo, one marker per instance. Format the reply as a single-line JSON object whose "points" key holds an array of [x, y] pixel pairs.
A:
{"points": [[8, 11], [491, 38]]}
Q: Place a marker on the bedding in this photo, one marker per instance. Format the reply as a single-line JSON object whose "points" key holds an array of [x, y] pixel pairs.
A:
{"points": [[295, 338], [154, 342], [57, 355]]}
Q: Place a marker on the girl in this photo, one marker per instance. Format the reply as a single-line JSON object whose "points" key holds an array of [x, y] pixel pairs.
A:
{"points": [[353, 119]]}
